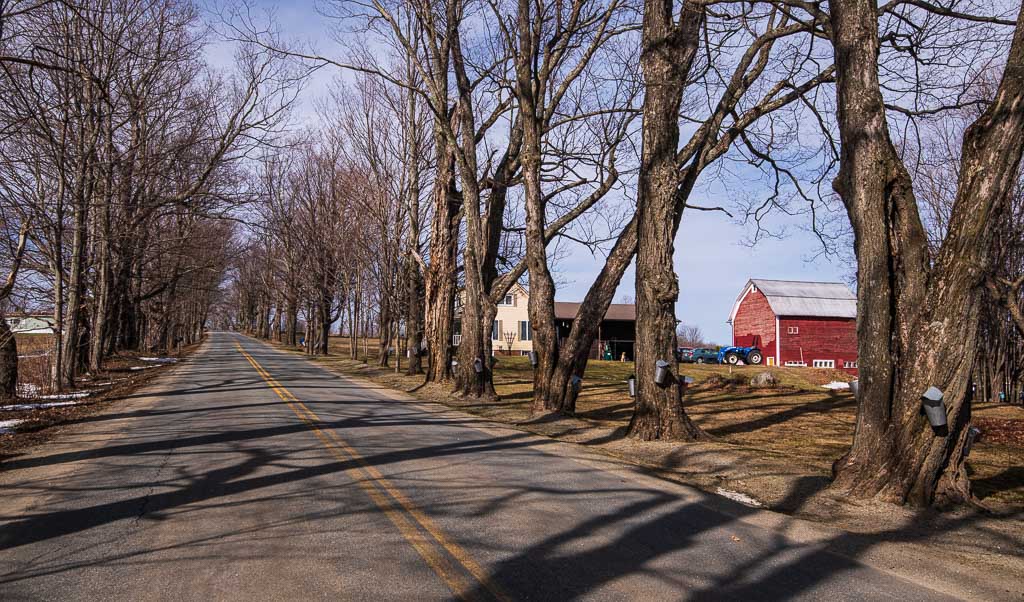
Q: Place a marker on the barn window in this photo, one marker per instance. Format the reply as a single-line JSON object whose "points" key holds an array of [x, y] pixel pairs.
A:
{"points": [[849, 364], [792, 364], [824, 363], [793, 330]]}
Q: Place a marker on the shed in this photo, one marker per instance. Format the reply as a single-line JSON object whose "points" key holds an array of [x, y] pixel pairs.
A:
{"points": [[616, 334]]}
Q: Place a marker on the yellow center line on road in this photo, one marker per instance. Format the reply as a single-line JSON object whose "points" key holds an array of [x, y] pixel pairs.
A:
{"points": [[380, 490]]}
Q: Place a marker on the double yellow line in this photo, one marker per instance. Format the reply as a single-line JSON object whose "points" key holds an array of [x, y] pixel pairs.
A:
{"points": [[459, 571]]}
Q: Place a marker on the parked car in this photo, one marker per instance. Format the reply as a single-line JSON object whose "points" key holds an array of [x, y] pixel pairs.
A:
{"points": [[683, 354], [702, 355]]}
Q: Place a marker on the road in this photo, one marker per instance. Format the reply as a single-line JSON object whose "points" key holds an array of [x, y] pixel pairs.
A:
{"points": [[253, 474]]}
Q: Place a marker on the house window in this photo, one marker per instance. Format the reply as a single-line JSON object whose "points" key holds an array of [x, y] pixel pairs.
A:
{"points": [[494, 331], [824, 363], [508, 301], [524, 330], [796, 364], [793, 330], [849, 364]]}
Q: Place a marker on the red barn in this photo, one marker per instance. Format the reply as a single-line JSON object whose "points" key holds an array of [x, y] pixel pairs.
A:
{"points": [[798, 323]]}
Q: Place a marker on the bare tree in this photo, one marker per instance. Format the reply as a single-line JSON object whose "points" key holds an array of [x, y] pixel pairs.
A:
{"points": [[118, 130], [917, 318], [690, 335], [776, 69]]}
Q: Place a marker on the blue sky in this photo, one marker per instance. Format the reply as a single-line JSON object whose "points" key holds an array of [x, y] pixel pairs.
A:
{"points": [[713, 265], [711, 258]]}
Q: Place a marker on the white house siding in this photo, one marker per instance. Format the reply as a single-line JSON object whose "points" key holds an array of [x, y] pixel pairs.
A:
{"points": [[509, 319]]}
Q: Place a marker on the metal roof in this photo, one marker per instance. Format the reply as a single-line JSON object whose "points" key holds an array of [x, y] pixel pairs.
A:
{"points": [[32, 325], [809, 299], [625, 312]]}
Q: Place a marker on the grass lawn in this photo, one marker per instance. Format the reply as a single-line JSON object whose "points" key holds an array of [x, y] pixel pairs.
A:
{"points": [[768, 442]]}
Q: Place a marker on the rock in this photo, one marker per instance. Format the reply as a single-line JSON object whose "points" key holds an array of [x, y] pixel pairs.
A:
{"points": [[764, 379]]}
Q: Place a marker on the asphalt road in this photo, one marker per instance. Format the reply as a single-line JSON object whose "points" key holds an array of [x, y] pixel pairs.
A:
{"points": [[251, 474]]}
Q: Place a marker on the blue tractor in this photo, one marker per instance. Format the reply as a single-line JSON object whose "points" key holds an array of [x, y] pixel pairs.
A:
{"points": [[749, 355]]}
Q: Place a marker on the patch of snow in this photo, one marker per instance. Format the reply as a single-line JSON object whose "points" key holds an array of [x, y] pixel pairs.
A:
{"points": [[7, 426], [75, 395], [738, 497], [159, 360], [40, 354], [837, 386], [142, 367], [20, 407], [28, 389]]}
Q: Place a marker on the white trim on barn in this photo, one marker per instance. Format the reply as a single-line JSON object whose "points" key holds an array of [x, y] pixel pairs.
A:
{"points": [[778, 344], [749, 288]]}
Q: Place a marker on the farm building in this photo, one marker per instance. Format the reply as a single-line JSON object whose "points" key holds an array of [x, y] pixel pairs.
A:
{"points": [[511, 332], [798, 323], [31, 324], [616, 334]]}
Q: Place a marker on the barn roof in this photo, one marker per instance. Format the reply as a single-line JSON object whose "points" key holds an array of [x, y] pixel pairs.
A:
{"points": [[32, 325], [616, 311], [795, 298]]}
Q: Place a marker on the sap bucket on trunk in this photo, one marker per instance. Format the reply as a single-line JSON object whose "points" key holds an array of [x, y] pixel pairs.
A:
{"points": [[934, 409], [661, 372]]}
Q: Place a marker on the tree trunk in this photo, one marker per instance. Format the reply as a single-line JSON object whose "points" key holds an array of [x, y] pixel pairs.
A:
{"points": [[324, 318], [541, 304], [8, 362], [440, 278], [414, 318], [101, 311], [917, 322], [414, 276], [473, 375], [574, 351], [668, 51], [384, 340], [70, 357]]}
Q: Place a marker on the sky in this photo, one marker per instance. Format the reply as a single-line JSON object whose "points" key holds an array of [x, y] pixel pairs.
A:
{"points": [[711, 258], [713, 265]]}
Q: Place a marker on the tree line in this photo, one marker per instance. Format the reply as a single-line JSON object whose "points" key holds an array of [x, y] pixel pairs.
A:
{"points": [[121, 155], [507, 127]]}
